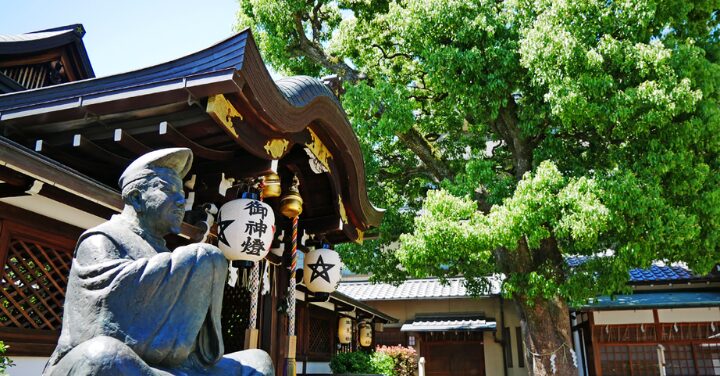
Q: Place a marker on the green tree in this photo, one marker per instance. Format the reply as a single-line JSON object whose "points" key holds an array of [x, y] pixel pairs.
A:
{"points": [[541, 129]]}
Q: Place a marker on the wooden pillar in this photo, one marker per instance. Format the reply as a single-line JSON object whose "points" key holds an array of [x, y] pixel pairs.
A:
{"points": [[595, 346]]}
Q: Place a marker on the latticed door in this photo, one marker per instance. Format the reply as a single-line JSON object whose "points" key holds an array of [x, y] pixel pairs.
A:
{"points": [[35, 268]]}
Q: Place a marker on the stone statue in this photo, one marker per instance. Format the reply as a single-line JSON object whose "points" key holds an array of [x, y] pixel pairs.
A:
{"points": [[133, 307]]}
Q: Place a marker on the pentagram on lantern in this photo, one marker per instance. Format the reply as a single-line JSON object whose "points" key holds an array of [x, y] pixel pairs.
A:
{"points": [[320, 270], [222, 226]]}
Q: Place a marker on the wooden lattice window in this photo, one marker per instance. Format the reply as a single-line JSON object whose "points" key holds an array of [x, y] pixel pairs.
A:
{"points": [[320, 336], [34, 278], [707, 356], [629, 360]]}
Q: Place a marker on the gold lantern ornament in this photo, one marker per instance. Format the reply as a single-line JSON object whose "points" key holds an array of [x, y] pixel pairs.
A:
{"points": [[344, 330], [245, 228], [322, 270], [271, 185], [365, 334], [291, 203]]}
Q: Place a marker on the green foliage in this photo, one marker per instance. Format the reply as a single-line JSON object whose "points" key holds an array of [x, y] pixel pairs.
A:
{"points": [[5, 362], [385, 360], [569, 128], [351, 362], [382, 364]]}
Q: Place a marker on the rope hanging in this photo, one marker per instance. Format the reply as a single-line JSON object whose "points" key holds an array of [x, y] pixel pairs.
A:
{"points": [[291, 289], [254, 290], [291, 207]]}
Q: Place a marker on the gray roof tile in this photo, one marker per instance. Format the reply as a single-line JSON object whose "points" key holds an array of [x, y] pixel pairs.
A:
{"points": [[411, 289]]}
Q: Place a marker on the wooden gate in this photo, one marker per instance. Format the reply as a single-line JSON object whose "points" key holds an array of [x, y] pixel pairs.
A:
{"points": [[454, 358]]}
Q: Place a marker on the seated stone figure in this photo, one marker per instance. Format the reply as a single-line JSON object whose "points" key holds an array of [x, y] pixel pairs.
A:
{"points": [[132, 306]]}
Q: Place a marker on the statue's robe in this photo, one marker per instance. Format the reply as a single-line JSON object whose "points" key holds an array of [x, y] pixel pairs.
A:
{"points": [[137, 310]]}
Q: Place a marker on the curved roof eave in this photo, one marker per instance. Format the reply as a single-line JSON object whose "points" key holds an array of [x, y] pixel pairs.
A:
{"points": [[293, 108], [220, 69]]}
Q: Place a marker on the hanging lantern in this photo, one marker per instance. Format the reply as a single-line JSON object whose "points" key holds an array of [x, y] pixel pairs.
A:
{"points": [[321, 272], [291, 204], [245, 228], [271, 186], [344, 330], [365, 335]]}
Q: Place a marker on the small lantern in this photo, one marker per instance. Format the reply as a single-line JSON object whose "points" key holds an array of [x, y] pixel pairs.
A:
{"points": [[245, 228], [321, 270], [291, 203], [344, 330], [271, 186], [365, 335]]}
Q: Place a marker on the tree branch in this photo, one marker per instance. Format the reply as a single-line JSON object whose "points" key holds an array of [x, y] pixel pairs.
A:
{"points": [[520, 146], [392, 56], [414, 141], [314, 52]]}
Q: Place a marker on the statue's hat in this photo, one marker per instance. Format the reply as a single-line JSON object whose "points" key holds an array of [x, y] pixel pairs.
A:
{"points": [[176, 159]]}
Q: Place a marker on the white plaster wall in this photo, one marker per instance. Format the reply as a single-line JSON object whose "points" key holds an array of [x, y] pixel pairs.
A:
{"points": [[644, 316], [314, 367], [27, 365], [689, 314], [493, 355]]}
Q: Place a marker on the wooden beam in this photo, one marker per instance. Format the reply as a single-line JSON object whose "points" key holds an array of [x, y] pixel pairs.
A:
{"points": [[99, 170], [62, 177], [130, 143], [98, 152], [14, 178], [76, 202], [321, 225], [29, 342], [174, 136], [9, 190], [240, 167]]}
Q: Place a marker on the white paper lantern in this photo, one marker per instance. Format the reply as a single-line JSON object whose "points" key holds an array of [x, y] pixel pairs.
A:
{"points": [[245, 229], [344, 330], [321, 270], [365, 335]]}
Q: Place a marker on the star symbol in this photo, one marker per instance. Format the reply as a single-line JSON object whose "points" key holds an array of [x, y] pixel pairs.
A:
{"points": [[222, 225], [316, 272]]}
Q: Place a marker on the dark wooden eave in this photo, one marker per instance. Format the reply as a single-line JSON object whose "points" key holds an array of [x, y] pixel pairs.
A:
{"points": [[19, 167], [99, 124], [42, 45]]}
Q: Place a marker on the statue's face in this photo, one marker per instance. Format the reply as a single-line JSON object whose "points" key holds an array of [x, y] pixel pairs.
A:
{"points": [[164, 203]]}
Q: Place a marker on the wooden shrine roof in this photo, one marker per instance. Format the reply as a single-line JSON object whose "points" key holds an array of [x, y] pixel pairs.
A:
{"points": [[62, 44], [222, 103]]}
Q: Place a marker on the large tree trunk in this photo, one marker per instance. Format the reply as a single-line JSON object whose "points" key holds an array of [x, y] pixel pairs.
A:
{"points": [[545, 322], [547, 336]]}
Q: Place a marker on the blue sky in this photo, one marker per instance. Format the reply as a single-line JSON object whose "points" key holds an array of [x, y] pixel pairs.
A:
{"points": [[127, 34]]}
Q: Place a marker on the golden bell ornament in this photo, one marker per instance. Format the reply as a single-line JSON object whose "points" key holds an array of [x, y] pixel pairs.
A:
{"points": [[271, 185], [291, 203]]}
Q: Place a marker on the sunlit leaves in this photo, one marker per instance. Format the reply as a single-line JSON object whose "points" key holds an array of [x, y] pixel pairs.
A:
{"points": [[619, 100]]}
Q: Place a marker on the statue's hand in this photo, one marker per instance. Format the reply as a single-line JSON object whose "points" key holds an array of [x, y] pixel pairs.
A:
{"points": [[199, 247], [200, 251]]}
